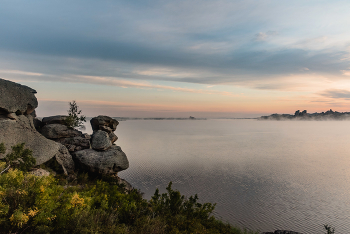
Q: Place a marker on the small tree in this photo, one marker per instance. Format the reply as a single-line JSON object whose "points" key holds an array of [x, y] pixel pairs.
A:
{"points": [[21, 157], [74, 119]]}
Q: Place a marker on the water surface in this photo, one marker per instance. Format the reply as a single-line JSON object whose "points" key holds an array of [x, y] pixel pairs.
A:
{"points": [[264, 175]]}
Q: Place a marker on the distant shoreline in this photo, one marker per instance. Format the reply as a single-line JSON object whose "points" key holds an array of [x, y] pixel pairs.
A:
{"points": [[323, 116]]}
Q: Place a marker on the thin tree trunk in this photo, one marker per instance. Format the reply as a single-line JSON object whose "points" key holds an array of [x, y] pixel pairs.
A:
{"points": [[5, 169]]}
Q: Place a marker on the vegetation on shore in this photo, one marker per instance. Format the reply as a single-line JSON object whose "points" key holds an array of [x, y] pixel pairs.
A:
{"points": [[303, 115], [32, 204]]}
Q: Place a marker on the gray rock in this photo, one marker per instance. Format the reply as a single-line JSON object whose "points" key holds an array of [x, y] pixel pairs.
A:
{"points": [[106, 162], [104, 123], [56, 119], [64, 158], [55, 131], [75, 143], [38, 124], [40, 172], [112, 137], [17, 98], [128, 186], [22, 130], [100, 140]]}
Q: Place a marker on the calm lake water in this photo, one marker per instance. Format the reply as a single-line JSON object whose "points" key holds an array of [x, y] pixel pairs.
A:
{"points": [[263, 175]]}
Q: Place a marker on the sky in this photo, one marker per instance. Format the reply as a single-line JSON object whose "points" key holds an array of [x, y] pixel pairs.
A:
{"points": [[159, 58]]}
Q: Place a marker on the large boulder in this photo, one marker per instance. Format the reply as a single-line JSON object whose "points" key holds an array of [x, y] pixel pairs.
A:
{"points": [[56, 119], [100, 140], [107, 162], [75, 143], [55, 131], [21, 129], [16, 98], [104, 123]]}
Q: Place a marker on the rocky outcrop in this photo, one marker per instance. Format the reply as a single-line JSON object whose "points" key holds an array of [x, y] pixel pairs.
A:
{"points": [[73, 139], [106, 162], [55, 131], [105, 157], [104, 123], [21, 129], [100, 140], [76, 143], [17, 104], [56, 119], [50, 138], [16, 98]]}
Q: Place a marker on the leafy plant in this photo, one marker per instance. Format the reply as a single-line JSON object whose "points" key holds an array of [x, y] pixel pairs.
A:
{"points": [[19, 157], [74, 119]]}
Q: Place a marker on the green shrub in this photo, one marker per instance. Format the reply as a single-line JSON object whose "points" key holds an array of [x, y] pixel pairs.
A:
{"points": [[19, 157]]}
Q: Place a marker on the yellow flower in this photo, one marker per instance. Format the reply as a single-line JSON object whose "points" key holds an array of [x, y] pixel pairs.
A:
{"points": [[42, 189], [52, 218], [77, 201], [33, 212]]}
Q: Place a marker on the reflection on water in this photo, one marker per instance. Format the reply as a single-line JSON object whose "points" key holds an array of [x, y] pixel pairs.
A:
{"points": [[262, 175]]}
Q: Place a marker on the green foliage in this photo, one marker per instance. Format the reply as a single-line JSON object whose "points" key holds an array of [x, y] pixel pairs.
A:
{"points": [[329, 229], [74, 119], [31, 204], [19, 157]]}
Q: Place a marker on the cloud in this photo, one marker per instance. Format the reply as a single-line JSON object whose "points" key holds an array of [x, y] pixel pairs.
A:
{"points": [[16, 72], [336, 94], [185, 41], [143, 85], [262, 36]]}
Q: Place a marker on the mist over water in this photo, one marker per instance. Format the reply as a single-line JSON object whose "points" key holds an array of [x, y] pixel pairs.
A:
{"points": [[264, 175]]}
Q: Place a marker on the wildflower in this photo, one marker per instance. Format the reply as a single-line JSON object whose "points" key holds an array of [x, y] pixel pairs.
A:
{"points": [[77, 201], [33, 212]]}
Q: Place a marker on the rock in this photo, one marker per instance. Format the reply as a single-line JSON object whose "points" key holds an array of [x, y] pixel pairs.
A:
{"points": [[22, 130], [64, 158], [38, 124], [128, 186], [55, 131], [104, 123], [75, 143], [100, 140], [106, 162], [281, 232], [40, 172], [17, 98], [56, 119], [33, 114], [112, 137]]}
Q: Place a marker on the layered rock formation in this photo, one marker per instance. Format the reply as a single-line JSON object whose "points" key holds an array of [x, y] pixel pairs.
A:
{"points": [[51, 138], [104, 157], [73, 139], [17, 103]]}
